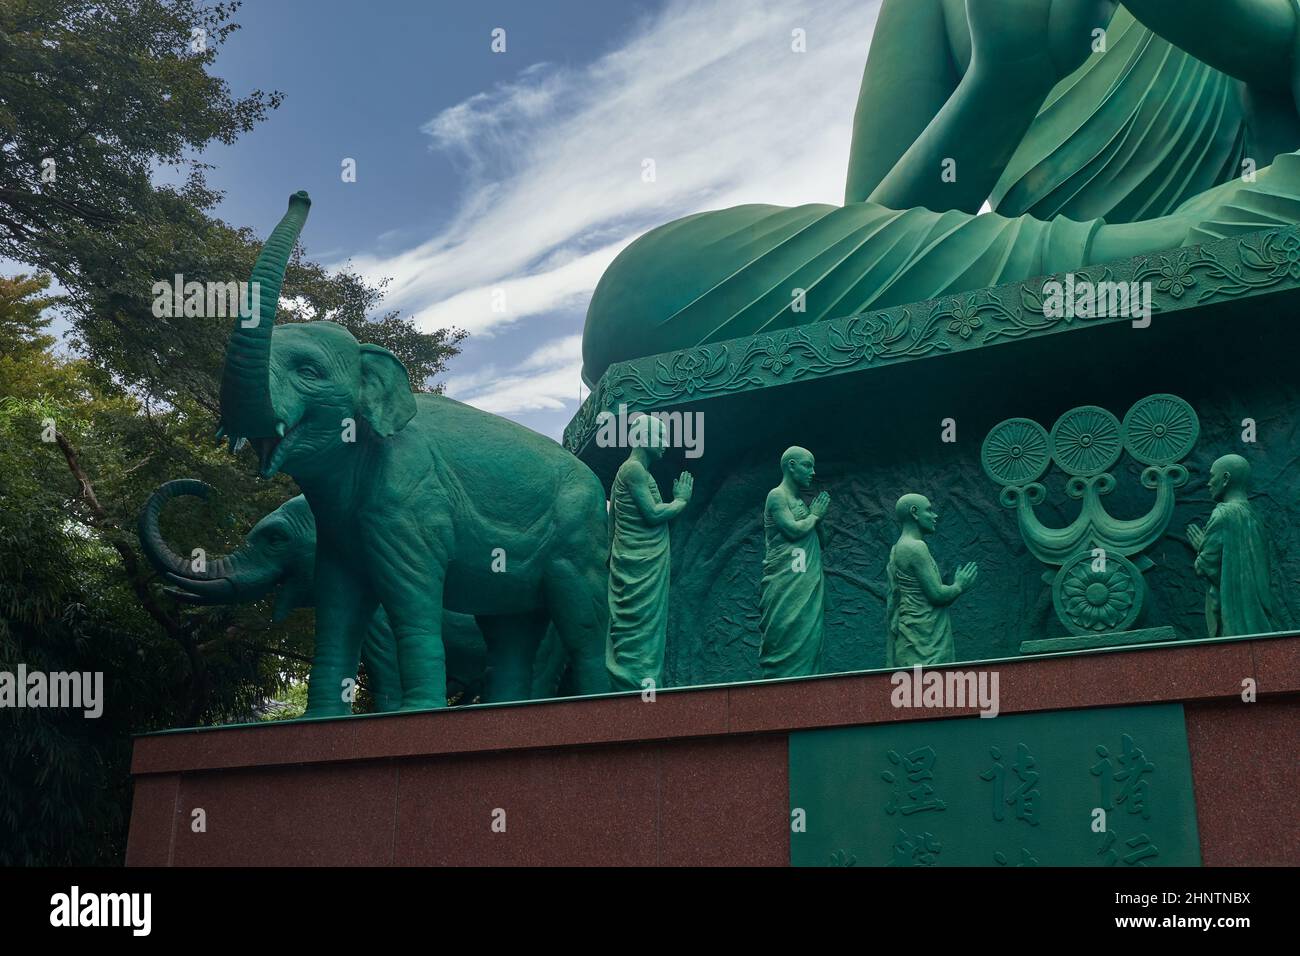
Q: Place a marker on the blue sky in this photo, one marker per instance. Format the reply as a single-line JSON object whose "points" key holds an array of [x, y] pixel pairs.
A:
{"points": [[520, 173]]}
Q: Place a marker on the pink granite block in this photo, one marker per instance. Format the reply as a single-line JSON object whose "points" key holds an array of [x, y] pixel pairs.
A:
{"points": [[323, 815], [1246, 776], [153, 820], [796, 704], [725, 802], [582, 806], [1277, 665]]}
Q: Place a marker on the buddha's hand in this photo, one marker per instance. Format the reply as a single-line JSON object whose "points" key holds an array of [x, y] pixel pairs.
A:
{"points": [[1196, 536], [1032, 44], [820, 505], [966, 575]]}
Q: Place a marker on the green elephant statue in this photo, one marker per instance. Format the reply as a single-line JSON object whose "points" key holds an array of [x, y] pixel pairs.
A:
{"points": [[421, 503], [279, 555]]}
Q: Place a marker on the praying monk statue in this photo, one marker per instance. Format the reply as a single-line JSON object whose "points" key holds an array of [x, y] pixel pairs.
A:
{"points": [[792, 592], [1094, 131], [638, 559], [918, 627], [1232, 555]]}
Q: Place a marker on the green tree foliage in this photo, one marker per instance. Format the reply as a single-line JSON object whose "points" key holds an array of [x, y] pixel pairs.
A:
{"points": [[111, 90], [107, 90], [75, 595]]}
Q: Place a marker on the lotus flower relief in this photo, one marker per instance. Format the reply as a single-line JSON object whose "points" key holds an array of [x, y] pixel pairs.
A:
{"points": [[1176, 277], [1098, 600], [964, 318], [690, 371], [1280, 254], [775, 354]]}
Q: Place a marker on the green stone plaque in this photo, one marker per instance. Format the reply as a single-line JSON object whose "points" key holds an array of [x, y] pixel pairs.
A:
{"points": [[1104, 787]]}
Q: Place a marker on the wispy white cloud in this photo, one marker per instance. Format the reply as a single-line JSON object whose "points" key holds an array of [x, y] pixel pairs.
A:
{"points": [[547, 379], [710, 90]]}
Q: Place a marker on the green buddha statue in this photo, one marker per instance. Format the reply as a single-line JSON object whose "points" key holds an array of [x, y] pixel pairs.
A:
{"points": [[1232, 556], [1094, 131], [792, 594], [639, 559]]}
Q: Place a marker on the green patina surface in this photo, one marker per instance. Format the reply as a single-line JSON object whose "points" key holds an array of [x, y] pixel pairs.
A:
{"points": [[1160, 159], [1097, 589], [1080, 642], [1018, 790], [421, 505], [1182, 280], [1094, 131], [793, 587], [278, 556], [879, 432], [639, 563]]}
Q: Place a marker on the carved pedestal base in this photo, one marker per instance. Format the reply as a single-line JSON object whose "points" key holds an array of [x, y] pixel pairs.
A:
{"points": [[1084, 642]]}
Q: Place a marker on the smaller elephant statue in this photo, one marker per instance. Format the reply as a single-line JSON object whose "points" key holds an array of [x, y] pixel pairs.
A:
{"points": [[279, 555]]}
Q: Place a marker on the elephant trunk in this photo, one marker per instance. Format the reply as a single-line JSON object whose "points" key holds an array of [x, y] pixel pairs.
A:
{"points": [[214, 581], [246, 407]]}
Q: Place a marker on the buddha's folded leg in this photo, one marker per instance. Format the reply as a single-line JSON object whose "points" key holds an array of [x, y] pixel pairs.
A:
{"points": [[1268, 200], [749, 269]]}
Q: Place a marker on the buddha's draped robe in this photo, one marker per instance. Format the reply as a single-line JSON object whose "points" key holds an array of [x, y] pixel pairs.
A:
{"points": [[917, 632], [791, 600], [730, 273], [1234, 559], [638, 588], [1130, 135], [1139, 132]]}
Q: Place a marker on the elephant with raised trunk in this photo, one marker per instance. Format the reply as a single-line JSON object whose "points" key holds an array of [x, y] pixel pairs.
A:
{"points": [[279, 555], [420, 502]]}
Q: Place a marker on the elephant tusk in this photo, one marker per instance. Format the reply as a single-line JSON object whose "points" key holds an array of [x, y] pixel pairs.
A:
{"points": [[189, 597], [220, 591]]}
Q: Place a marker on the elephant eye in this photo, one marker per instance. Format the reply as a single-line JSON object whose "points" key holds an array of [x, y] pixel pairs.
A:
{"points": [[309, 371]]}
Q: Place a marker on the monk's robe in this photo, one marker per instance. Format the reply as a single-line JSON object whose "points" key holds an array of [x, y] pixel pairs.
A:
{"points": [[917, 632], [1234, 559], [638, 588], [791, 602]]}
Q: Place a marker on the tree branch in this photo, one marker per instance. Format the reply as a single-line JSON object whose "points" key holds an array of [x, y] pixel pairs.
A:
{"points": [[99, 519]]}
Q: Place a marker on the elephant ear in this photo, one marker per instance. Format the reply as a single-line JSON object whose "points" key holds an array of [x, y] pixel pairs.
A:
{"points": [[386, 402]]}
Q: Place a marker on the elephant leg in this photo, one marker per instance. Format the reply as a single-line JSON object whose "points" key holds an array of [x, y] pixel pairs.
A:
{"points": [[578, 604], [343, 612], [410, 563], [549, 666], [422, 661], [379, 655], [512, 641]]}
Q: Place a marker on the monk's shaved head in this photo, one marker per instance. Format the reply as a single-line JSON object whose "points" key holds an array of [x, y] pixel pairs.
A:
{"points": [[903, 510], [793, 453], [647, 431], [1236, 466], [1230, 478]]}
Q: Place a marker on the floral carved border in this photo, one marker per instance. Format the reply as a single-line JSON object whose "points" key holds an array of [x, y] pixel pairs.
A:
{"points": [[1181, 279]]}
